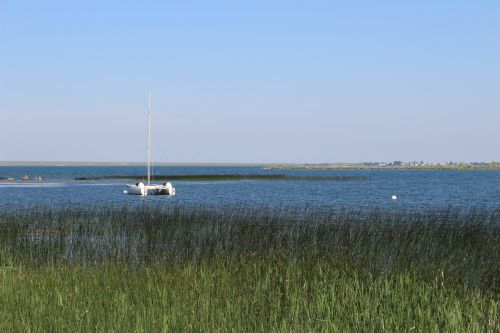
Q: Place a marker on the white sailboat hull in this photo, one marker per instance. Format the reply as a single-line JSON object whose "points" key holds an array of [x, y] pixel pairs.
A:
{"points": [[155, 189], [136, 189], [160, 190]]}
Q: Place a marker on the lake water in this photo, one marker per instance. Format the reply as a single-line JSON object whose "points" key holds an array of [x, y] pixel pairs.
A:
{"points": [[416, 189]]}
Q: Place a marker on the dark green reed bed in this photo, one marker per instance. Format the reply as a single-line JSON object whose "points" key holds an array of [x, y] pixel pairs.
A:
{"points": [[233, 177], [246, 269]]}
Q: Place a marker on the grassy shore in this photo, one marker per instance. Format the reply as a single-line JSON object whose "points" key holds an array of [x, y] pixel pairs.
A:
{"points": [[246, 269], [360, 166]]}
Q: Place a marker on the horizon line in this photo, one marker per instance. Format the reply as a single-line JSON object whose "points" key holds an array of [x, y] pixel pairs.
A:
{"points": [[115, 163]]}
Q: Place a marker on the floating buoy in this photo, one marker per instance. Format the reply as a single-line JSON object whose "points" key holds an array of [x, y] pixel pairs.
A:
{"points": [[394, 197]]}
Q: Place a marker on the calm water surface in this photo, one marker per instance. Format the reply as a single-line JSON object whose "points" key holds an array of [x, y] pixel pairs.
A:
{"points": [[416, 189]]}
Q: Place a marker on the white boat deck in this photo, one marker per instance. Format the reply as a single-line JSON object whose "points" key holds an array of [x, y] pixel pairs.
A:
{"points": [[151, 189]]}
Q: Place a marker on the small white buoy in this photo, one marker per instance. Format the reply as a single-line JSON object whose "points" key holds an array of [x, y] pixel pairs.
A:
{"points": [[125, 192], [394, 197]]}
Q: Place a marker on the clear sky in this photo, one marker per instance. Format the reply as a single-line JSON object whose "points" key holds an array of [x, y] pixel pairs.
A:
{"points": [[253, 81]]}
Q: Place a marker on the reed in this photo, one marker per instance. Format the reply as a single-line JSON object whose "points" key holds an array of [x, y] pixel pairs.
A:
{"points": [[233, 177], [249, 269]]}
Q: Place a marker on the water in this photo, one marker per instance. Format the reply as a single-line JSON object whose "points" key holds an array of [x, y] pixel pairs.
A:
{"points": [[416, 189]]}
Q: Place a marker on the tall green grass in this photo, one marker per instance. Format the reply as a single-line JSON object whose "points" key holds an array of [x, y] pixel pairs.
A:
{"points": [[249, 269], [243, 294], [462, 245]]}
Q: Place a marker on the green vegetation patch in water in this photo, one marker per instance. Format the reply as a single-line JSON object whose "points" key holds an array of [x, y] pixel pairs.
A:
{"points": [[232, 177]]}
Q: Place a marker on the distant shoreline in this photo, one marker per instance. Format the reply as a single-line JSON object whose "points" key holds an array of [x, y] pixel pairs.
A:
{"points": [[382, 167], [265, 166], [77, 163]]}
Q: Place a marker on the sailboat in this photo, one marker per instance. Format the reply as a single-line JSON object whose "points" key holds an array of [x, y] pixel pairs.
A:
{"points": [[150, 189]]}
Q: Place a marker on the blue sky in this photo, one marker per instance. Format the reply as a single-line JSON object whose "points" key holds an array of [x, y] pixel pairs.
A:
{"points": [[256, 81]]}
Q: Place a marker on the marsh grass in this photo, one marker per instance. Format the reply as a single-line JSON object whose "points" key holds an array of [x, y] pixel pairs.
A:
{"points": [[234, 177], [249, 269], [245, 294]]}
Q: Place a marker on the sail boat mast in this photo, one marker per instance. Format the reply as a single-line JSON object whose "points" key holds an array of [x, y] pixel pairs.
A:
{"points": [[149, 138], [156, 189]]}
